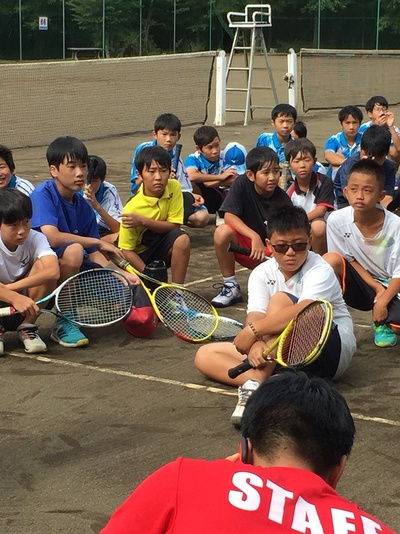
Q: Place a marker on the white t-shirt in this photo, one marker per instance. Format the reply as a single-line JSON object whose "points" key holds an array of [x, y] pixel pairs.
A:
{"points": [[16, 265], [379, 255], [315, 280]]}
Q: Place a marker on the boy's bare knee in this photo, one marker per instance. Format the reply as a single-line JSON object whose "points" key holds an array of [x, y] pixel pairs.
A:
{"points": [[224, 234], [318, 229], [73, 255], [202, 357]]}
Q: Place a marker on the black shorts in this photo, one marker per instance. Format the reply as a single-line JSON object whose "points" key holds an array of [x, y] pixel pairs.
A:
{"points": [[11, 323], [159, 245], [360, 296], [213, 197]]}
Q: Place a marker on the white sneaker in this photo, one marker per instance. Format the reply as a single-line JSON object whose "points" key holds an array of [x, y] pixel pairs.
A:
{"points": [[2, 332], [27, 334], [229, 294], [244, 393], [219, 220]]}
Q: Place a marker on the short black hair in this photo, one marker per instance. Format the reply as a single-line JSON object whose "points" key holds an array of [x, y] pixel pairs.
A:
{"points": [[167, 121], [284, 109], [14, 206], [299, 146], [369, 106], [204, 135], [371, 168], [305, 414], [152, 153], [68, 147], [97, 168], [300, 129], [257, 157], [286, 218], [376, 141], [354, 111], [6, 154]]}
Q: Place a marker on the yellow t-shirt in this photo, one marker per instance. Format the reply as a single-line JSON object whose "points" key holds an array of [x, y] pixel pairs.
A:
{"points": [[167, 208]]}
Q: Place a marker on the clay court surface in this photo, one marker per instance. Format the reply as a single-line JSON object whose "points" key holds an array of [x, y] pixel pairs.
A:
{"points": [[80, 428]]}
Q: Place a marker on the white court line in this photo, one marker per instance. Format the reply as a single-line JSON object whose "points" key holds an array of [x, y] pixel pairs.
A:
{"points": [[211, 278], [167, 381]]}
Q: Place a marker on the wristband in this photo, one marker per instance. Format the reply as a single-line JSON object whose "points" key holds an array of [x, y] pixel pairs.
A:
{"points": [[253, 329]]}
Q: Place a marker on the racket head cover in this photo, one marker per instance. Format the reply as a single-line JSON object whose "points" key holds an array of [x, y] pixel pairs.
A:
{"points": [[94, 298]]}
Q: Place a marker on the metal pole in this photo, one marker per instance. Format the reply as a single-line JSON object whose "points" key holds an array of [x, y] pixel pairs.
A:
{"points": [[210, 24], [140, 27], [63, 28], [104, 29], [378, 16], [20, 29], [174, 45], [319, 25]]}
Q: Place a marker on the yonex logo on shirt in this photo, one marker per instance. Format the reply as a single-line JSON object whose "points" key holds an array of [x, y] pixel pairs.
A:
{"points": [[347, 234], [271, 282]]}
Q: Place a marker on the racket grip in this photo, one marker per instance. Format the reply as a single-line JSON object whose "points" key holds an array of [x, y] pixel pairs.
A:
{"points": [[239, 250], [175, 161], [234, 372], [6, 312], [120, 262]]}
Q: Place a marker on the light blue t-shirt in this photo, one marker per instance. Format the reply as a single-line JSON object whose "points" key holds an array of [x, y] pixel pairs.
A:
{"points": [[271, 140]]}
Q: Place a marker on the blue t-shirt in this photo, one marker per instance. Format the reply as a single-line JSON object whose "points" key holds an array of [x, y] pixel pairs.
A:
{"points": [[338, 143], [271, 140], [340, 180], [203, 165], [50, 208]]}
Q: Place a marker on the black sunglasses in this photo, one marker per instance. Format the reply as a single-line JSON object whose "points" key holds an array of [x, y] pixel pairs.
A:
{"points": [[284, 247]]}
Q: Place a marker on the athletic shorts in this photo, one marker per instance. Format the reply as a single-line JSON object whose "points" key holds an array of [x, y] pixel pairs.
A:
{"points": [[359, 295], [159, 245], [245, 242], [188, 208], [86, 262], [12, 322], [213, 197], [327, 363]]}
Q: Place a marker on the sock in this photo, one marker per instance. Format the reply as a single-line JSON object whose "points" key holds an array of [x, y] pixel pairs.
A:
{"points": [[230, 280]]}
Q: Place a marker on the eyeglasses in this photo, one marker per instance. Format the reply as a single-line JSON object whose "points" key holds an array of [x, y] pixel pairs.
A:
{"points": [[380, 107], [284, 247]]}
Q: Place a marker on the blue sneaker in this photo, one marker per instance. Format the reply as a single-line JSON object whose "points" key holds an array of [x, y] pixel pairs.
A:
{"points": [[67, 334], [384, 336]]}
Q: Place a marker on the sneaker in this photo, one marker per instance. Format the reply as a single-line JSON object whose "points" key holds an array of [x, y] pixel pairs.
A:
{"points": [[384, 336], [29, 337], [229, 294], [67, 334], [244, 393], [219, 220], [2, 332]]}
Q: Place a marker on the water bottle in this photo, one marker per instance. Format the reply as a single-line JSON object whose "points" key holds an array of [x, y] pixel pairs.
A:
{"points": [[157, 270]]}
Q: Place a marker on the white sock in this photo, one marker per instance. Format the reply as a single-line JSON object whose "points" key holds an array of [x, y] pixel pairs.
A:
{"points": [[230, 280]]}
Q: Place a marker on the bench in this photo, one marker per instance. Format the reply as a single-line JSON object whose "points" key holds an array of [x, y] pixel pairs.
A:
{"points": [[96, 52]]}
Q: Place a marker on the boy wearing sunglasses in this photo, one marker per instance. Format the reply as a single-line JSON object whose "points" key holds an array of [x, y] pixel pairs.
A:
{"points": [[278, 290]]}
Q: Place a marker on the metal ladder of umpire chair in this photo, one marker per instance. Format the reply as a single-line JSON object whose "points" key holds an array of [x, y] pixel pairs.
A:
{"points": [[250, 24]]}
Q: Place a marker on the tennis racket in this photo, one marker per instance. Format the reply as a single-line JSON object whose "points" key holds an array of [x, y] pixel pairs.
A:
{"points": [[226, 330], [177, 307], [175, 159], [302, 340], [93, 298], [241, 250]]}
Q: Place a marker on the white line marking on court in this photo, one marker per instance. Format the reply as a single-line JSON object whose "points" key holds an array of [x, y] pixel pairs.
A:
{"points": [[169, 382], [128, 374], [210, 278]]}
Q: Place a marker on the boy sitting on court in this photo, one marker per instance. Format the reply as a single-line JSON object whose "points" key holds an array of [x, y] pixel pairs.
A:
{"points": [[104, 199], [364, 250], [377, 109], [300, 132], [67, 220], [283, 118], [375, 144], [150, 221], [166, 133], [207, 168], [345, 143], [7, 177], [278, 290], [246, 210], [28, 269], [310, 190]]}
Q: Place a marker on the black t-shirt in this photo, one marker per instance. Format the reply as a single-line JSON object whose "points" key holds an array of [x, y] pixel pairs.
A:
{"points": [[253, 209]]}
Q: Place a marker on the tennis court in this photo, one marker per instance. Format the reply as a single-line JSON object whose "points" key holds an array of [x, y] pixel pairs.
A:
{"points": [[80, 428]]}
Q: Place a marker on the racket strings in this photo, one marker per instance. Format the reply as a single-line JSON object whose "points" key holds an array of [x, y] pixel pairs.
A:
{"points": [[304, 337], [96, 298], [179, 310]]}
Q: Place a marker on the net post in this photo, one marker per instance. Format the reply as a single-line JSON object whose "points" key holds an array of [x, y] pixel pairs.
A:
{"points": [[220, 89], [291, 77]]}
